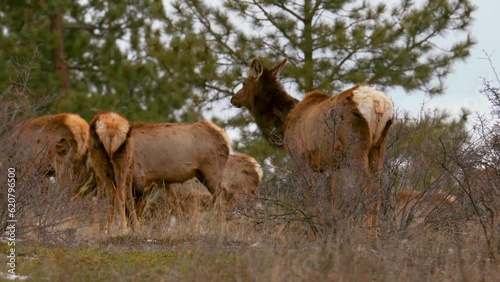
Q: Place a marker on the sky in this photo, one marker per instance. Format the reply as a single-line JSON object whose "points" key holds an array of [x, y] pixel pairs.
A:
{"points": [[466, 79]]}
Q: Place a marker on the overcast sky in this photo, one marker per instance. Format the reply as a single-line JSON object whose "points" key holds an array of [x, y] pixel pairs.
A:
{"points": [[466, 79]]}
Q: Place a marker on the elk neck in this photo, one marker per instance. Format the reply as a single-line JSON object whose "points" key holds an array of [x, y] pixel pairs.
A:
{"points": [[271, 107]]}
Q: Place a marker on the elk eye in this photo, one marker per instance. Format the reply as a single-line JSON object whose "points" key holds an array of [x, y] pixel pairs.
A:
{"points": [[244, 82]]}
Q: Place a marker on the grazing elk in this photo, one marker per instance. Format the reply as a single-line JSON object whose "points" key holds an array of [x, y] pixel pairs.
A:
{"points": [[53, 145], [240, 183], [167, 153], [343, 134], [241, 180], [111, 152]]}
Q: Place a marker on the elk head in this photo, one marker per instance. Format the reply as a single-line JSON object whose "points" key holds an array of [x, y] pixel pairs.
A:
{"points": [[255, 84]]}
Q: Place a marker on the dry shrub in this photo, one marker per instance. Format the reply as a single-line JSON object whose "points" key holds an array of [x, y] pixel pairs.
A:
{"points": [[44, 205], [452, 173], [284, 208]]}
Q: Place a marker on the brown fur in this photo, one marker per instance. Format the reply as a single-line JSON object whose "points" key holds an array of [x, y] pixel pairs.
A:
{"points": [[176, 152], [198, 150], [54, 145], [342, 134], [148, 155], [240, 181], [111, 154], [269, 111]]}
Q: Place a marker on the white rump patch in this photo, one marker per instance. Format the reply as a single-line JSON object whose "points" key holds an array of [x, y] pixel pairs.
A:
{"points": [[80, 130], [112, 130], [375, 107]]}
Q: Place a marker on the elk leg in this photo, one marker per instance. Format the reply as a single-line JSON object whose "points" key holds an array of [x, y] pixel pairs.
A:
{"points": [[376, 156], [111, 195], [123, 171], [106, 189], [130, 200], [353, 185], [212, 181]]}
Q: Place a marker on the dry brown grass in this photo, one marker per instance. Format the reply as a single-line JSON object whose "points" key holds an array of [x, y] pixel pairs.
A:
{"points": [[238, 249]]}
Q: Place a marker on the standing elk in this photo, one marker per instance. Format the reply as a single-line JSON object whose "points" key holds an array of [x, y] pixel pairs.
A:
{"points": [[240, 182], [159, 153], [111, 153], [53, 145], [176, 152], [343, 134]]}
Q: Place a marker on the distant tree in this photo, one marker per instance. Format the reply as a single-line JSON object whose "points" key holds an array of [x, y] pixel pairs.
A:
{"points": [[331, 44]]}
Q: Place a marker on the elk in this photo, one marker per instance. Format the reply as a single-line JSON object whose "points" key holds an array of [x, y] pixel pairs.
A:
{"points": [[343, 135], [241, 180], [162, 153], [176, 152], [53, 145], [240, 183], [111, 153]]}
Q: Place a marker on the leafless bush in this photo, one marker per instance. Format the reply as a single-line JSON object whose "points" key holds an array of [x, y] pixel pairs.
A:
{"points": [[296, 202]]}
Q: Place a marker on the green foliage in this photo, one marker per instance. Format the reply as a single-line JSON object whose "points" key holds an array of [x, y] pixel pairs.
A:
{"points": [[115, 54], [334, 44]]}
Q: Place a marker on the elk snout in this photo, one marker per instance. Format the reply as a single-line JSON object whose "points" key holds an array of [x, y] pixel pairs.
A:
{"points": [[234, 101]]}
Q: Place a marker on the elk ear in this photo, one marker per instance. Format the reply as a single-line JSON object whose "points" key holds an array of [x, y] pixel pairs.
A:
{"points": [[256, 68], [276, 70]]}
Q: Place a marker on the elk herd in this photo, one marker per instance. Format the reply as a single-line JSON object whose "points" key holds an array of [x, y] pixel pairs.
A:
{"points": [[341, 135]]}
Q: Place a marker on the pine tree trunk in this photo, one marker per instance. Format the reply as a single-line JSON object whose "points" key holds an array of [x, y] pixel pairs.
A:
{"points": [[308, 47], [59, 57]]}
